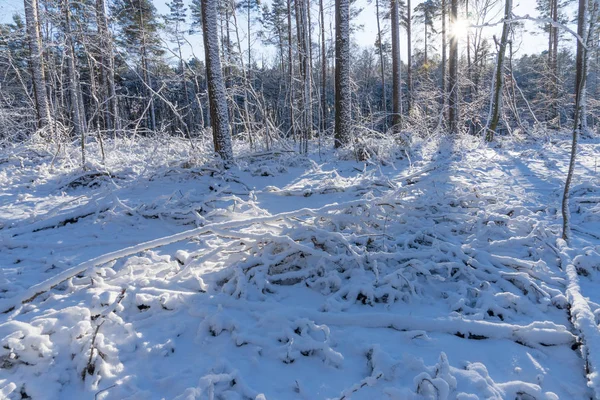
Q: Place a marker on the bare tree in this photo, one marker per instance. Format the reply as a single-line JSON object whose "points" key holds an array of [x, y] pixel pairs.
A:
{"points": [[291, 69], [381, 62], [453, 71], [409, 77], [37, 64], [496, 102], [74, 94], [553, 60], [107, 66], [219, 114], [343, 106], [396, 83], [323, 70], [303, 28], [444, 60], [579, 114]]}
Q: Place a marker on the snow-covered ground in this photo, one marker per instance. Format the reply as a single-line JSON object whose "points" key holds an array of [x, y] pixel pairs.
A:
{"points": [[430, 274]]}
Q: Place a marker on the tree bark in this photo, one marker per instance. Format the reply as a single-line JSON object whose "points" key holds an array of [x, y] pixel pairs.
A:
{"points": [[107, 66], [36, 61], [382, 65], [553, 55], [579, 115], [444, 60], [146, 72], [396, 83], [499, 76], [409, 79], [291, 69], [303, 29], [343, 105], [453, 72], [78, 127], [323, 70], [219, 114]]}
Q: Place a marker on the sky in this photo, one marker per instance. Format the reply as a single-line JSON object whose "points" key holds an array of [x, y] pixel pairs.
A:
{"points": [[532, 40]]}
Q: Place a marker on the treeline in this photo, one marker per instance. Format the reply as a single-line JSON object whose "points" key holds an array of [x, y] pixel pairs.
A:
{"points": [[89, 69]]}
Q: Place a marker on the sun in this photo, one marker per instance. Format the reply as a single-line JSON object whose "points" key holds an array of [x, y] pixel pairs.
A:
{"points": [[460, 28]]}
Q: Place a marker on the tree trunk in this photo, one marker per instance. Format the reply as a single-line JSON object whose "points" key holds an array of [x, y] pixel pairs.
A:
{"points": [[146, 73], [444, 60], [396, 84], [219, 114], [579, 117], [36, 61], [291, 69], [425, 56], [499, 76], [470, 85], [107, 66], [553, 54], [249, 4], [323, 71], [409, 79], [343, 106], [186, 104], [382, 65], [78, 127], [305, 73], [453, 72]]}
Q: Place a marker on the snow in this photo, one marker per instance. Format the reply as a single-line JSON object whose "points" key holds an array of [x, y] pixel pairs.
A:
{"points": [[433, 273]]}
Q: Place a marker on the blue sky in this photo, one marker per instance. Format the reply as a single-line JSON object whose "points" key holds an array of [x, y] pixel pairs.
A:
{"points": [[532, 41]]}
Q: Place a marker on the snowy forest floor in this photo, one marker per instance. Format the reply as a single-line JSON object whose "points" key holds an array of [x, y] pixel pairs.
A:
{"points": [[429, 274]]}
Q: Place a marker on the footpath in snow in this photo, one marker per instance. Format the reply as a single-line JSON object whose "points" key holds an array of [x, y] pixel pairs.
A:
{"points": [[431, 274]]}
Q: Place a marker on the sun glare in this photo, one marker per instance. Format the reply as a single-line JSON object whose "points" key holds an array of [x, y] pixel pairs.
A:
{"points": [[460, 28]]}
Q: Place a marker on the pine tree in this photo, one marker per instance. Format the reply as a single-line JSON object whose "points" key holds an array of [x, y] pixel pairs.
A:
{"points": [[425, 14], [343, 110], [409, 78], [107, 66], [453, 72], [174, 26], [139, 35], [579, 118], [550, 9], [323, 69], [34, 40], [303, 36], [250, 8], [72, 83], [499, 75], [379, 45], [396, 79], [219, 114], [274, 23]]}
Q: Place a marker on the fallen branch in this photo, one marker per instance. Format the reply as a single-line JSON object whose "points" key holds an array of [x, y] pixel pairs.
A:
{"points": [[90, 208], [583, 319], [33, 292], [536, 334]]}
